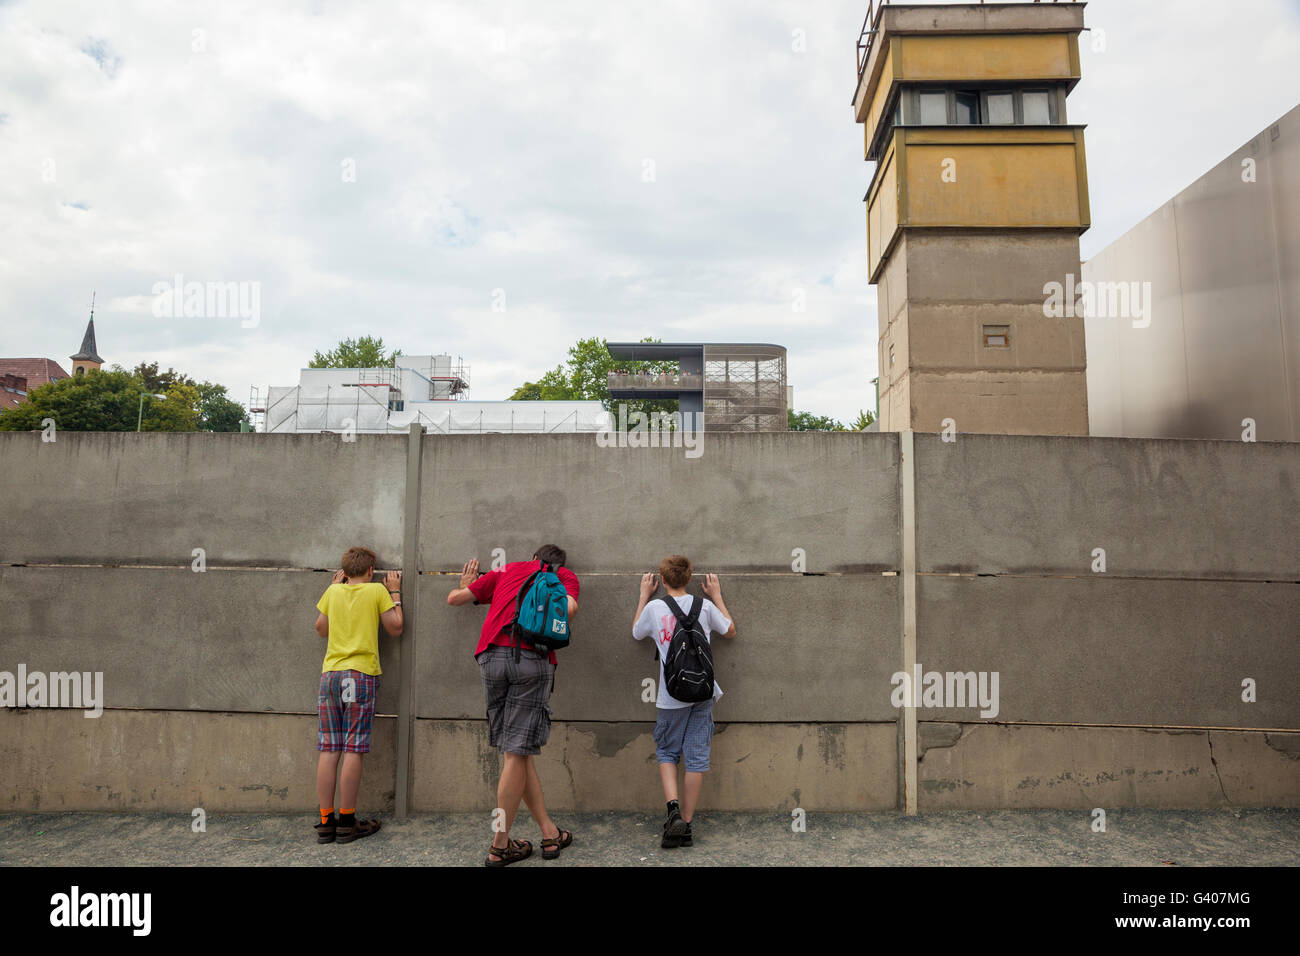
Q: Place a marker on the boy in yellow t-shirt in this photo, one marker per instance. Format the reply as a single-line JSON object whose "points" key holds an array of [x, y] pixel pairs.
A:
{"points": [[351, 610]]}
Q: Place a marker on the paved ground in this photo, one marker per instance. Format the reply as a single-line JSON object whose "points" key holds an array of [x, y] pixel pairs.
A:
{"points": [[1039, 837]]}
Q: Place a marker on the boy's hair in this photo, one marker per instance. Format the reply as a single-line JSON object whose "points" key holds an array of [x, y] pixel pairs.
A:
{"points": [[357, 561], [675, 570], [552, 555]]}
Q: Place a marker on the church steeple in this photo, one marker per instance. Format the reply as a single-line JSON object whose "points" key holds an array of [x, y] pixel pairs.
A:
{"points": [[87, 359]]}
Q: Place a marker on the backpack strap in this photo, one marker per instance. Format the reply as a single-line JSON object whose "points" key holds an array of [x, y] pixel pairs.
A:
{"points": [[689, 620], [519, 599]]}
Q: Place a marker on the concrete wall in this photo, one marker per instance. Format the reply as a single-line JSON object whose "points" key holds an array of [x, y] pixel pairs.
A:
{"points": [[210, 678]]}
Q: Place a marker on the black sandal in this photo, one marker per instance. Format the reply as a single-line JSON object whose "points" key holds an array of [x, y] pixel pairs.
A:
{"points": [[551, 848], [512, 852]]}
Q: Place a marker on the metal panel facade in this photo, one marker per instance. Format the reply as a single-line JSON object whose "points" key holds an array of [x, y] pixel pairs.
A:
{"points": [[1222, 260]]}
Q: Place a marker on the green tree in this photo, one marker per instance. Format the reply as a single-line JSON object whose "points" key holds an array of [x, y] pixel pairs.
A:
{"points": [[178, 412], [808, 422], [863, 421], [110, 401], [98, 401], [584, 377], [217, 413], [554, 386], [365, 352], [154, 381]]}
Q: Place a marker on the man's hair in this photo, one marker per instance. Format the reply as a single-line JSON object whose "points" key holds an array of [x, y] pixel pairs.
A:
{"points": [[675, 570], [357, 561], [552, 555]]}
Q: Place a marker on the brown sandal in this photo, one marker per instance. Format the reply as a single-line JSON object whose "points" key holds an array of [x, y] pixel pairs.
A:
{"points": [[363, 828], [551, 848], [512, 852]]}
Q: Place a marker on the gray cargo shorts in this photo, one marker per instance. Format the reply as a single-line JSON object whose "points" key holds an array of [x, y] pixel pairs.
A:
{"points": [[517, 696]]}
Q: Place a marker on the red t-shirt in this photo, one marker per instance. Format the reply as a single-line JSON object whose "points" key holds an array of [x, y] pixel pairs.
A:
{"points": [[500, 588]]}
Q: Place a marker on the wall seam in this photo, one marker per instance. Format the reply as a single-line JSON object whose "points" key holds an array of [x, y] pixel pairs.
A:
{"points": [[403, 766], [907, 715]]}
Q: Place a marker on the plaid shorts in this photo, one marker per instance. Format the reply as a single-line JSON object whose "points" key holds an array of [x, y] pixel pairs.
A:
{"points": [[685, 731], [519, 720], [345, 723]]}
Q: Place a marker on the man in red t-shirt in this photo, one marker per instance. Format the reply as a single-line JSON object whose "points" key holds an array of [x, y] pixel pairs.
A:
{"points": [[517, 696]]}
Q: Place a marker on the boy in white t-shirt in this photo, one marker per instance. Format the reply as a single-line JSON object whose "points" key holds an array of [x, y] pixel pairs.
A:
{"points": [[682, 729]]}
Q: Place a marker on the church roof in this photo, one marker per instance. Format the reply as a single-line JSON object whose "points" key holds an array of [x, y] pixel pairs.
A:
{"points": [[88, 353]]}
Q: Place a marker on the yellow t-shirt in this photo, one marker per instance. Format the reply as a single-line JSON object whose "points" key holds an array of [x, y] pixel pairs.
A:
{"points": [[353, 611]]}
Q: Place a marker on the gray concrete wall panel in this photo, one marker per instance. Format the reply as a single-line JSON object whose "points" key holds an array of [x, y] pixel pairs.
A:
{"points": [[247, 500], [1095, 651], [743, 505], [175, 639], [1037, 505], [806, 649], [987, 767]]}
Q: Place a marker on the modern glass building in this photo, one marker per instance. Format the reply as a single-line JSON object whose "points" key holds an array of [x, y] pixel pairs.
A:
{"points": [[739, 387]]}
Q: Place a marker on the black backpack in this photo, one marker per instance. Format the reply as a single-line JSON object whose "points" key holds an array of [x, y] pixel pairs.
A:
{"points": [[688, 666]]}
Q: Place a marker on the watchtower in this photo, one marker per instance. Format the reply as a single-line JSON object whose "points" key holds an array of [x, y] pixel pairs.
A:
{"points": [[976, 205]]}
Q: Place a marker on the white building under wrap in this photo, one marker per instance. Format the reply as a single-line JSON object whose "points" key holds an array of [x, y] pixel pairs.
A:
{"points": [[428, 389]]}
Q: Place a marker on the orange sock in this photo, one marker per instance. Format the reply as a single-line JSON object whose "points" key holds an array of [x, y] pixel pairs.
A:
{"points": [[347, 812], [325, 815]]}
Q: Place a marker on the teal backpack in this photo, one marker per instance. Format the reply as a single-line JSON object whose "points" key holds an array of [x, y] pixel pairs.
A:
{"points": [[542, 612]]}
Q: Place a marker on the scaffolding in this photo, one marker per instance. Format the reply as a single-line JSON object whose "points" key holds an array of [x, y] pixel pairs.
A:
{"points": [[452, 384], [256, 409], [745, 388], [448, 378]]}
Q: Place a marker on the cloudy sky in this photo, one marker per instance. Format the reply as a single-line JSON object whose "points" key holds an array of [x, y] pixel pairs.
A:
{"points": [[619, 169]]}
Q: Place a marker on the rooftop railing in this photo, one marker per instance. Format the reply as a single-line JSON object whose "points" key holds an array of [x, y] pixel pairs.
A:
{"points": [[867, 36], [653, 380]]}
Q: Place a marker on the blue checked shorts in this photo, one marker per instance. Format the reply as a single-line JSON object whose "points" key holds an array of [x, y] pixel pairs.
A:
{"points": [[685, 731], [345, 724]]}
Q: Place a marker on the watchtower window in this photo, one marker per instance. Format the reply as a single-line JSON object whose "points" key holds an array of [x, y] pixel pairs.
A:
{"points": [[967, 107], [1037, 108], [948, 107], [1000, 108], [934, 107], [997, 336]]}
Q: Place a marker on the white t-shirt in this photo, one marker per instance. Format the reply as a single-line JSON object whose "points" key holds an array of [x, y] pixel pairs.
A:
{"points": [[657, 621]]}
